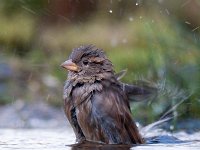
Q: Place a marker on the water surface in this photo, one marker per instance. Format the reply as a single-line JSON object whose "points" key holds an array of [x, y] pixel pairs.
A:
{"points": [[58, 139]]}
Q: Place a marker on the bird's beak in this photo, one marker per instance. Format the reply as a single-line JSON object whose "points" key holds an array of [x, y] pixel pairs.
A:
{"points": [[69, 65]]}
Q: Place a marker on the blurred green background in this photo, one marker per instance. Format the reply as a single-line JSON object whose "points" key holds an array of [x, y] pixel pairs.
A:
{"points": [[156, 40]]}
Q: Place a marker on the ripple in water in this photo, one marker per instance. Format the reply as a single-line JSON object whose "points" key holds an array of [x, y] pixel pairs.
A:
{"points": [[63, 139]]}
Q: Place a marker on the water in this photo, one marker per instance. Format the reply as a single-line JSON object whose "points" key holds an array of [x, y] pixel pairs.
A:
{"points": [[40, 126], [58, 139], [35, 139]]}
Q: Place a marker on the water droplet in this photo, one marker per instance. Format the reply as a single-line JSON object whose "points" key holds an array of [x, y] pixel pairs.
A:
{"points": [[187, 22], [167, 11], [28, 9], [195, 28], [110, 11], [130, 18], [171, 127], [137, 4]]}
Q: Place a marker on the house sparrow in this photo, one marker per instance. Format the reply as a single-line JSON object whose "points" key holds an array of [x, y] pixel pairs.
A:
{"points": [[96, 103]]}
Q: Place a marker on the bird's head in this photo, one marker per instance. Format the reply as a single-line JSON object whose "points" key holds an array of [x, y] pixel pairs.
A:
{"points": [[88, 62]]}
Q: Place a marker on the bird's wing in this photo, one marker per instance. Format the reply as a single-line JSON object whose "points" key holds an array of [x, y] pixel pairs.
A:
{"points": [[110, 110], [140, 91]]}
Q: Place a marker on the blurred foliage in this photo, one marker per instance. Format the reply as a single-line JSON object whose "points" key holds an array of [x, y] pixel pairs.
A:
{"points": [[158, 41]]}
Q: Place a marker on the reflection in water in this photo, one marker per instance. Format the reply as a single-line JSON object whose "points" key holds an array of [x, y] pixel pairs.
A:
{"points": [[87, 145]]}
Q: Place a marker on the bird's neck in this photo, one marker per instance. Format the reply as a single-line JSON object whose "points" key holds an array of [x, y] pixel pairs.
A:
{"points": [[91, 83], [82, 78]]}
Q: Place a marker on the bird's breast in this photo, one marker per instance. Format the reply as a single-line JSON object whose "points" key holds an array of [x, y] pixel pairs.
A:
{"points": [[82, 93]]}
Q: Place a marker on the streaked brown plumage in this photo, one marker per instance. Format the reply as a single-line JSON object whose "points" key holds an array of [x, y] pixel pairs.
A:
{"points": [[96, 103]]}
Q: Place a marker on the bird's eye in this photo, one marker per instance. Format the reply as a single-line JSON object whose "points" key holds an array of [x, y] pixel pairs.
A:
{"points": [[85, 62]]}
